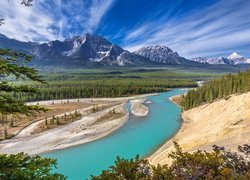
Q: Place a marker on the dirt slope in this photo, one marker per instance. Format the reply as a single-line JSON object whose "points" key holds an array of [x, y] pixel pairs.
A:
{"points": [[224, 122]]}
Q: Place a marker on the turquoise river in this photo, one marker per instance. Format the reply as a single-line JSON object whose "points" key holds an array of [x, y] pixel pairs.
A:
{"points": [[138, 136]]}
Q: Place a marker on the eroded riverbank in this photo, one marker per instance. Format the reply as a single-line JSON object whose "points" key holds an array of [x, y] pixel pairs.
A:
{"points": [[224, 122]]}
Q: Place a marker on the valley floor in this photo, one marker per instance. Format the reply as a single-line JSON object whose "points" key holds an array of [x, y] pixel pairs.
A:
{"points": [[90, 127], [224, 123]]}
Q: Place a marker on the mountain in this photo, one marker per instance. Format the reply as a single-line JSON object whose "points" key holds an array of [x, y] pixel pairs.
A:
{"points": [[162, 54], [94, 51], [6, 42], [217, 60], [87, 50], [233, 59]]}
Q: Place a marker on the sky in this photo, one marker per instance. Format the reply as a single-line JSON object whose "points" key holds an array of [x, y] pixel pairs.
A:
{"points": [[193, 28]]}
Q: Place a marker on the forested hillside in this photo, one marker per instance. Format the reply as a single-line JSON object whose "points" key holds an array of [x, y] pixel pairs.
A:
{"points": [[102, 88], [96, 83], [217, 88]]}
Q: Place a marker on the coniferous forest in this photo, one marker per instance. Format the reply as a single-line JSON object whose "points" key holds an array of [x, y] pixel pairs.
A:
{"points": [[217, 88], [106, 84]]}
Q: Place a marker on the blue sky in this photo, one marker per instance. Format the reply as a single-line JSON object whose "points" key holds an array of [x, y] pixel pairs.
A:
{"points": [[191, 27]]}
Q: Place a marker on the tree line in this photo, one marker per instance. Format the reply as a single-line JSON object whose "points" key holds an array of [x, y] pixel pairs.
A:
{"points": [[97, 88], [217, 88]]}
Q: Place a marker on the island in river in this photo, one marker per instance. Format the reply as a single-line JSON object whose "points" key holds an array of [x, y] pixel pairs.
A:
{"points": [[138, 108]]}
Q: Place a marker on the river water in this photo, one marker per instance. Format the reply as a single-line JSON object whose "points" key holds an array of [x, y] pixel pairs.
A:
{"points": [[138, 136]]}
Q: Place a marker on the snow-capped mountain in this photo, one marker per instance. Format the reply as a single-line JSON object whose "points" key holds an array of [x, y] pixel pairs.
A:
{"points": [[78, 51], [232, 59], [92, 50], [161, 54], [217, 60], [235, 58], [88, 48]]}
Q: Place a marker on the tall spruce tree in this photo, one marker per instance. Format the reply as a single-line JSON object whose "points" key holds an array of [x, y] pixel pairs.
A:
{"points": [[12, 68]]}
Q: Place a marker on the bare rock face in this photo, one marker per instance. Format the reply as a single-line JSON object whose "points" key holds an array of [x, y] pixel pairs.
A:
{"points": [[76, 51], [161, 54]]}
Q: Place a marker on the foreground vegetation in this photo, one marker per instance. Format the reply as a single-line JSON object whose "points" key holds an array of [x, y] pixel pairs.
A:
{"points": [[198, 165], [12, 68], [218, 164], [22, 166], [217, 88]]}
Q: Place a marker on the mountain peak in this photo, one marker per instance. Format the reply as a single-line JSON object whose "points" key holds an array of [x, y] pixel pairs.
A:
{"points": [[234, 55], [157, 48], [92, 50], [162, 54], [232, 59]]}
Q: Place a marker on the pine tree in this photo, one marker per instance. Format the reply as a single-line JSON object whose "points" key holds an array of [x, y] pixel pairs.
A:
{"points": [[217, 88], [12, 64]]}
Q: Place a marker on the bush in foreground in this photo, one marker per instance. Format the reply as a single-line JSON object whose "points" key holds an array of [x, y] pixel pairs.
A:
{"points": [[218, 164], [21, 166]]}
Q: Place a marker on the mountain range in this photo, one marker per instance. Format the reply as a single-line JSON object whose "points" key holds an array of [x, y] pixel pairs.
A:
{"points": [[76, 51], [93, 50], [232, 59]]}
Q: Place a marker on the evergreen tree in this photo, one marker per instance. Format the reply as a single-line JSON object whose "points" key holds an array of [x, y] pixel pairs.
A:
{"points": [[22, 166], [217, 88], [12, 68]]}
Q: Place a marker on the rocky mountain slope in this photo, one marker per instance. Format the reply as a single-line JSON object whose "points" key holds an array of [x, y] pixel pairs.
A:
{"points": [[93, 51], [76, 51], [161, 54]]}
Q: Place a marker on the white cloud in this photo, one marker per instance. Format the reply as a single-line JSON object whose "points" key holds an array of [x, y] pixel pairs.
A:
{"points": [[138, 32], [25, 23], [49, 20], [97, 11], [219, 28]]}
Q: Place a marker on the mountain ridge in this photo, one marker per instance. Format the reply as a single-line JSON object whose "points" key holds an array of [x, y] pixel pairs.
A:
{"points": [[96, 51], [87, 50], [233, 59], [161, 54]]}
